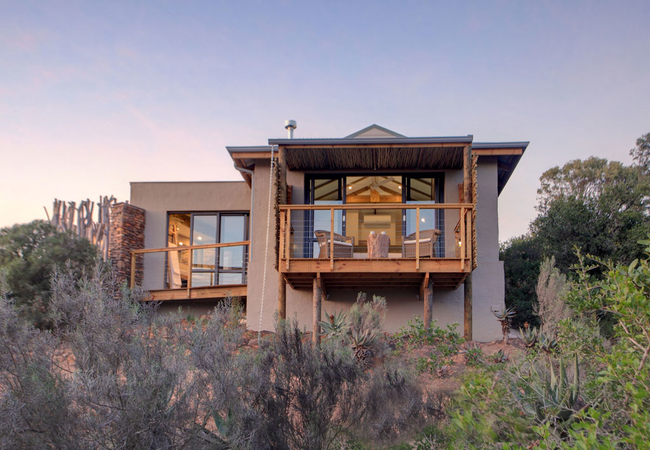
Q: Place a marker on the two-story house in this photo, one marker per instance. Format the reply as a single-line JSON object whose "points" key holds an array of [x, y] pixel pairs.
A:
{"points": [[315, 221]]}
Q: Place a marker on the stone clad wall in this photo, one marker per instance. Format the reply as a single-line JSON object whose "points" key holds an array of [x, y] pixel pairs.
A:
{"points": [[127, 233]]}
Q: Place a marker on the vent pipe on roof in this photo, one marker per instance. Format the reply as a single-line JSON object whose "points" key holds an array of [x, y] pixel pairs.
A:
{"points": [[290, 125]]}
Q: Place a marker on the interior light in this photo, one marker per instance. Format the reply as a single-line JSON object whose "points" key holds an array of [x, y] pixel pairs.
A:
{"points": [[423, 219], [400, 186], [180, 243], [460, 243], [349, 187], [199, 238]]}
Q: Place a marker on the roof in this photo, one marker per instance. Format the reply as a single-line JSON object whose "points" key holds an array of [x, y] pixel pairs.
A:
{"points": [[377, 148]]}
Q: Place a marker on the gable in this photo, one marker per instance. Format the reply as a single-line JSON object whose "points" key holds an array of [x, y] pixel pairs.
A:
{"points": [[375, 131]]}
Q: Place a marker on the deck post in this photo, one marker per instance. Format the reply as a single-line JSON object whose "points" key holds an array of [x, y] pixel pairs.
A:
{"points": [[282, 298], [133, 262], [317, 296], [468, 307], [428, 304]]}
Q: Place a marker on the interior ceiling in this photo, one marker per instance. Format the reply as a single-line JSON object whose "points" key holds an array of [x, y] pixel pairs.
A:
{"points": [[375, 158]]}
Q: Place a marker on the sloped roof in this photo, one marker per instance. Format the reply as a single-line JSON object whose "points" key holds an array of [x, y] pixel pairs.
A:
{"points": [[374, 131]]}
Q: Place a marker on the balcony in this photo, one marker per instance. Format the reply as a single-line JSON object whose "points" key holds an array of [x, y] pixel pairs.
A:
{"points": [[197, 272], [376, 244]]}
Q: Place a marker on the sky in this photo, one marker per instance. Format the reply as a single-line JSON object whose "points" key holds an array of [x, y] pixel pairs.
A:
{"points": [[94, 95]]}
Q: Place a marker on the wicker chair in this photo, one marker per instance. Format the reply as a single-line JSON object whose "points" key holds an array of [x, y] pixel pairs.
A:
{"points": [[428, 240], [343, 246]]}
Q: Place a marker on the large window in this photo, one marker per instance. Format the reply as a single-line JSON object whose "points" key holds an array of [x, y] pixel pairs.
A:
{"points": [[374, 189], [210, 266]]}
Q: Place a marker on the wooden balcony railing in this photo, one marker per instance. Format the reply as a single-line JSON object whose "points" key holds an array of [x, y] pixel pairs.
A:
{"points": [[213, 270], [347, 226]]}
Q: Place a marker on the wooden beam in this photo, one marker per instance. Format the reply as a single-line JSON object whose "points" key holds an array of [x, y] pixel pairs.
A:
{"points": [[497, 151], [282, 297], [198, 293], [251, 155], [467, 306], [321, 285], [377, 206], [316, 299]]}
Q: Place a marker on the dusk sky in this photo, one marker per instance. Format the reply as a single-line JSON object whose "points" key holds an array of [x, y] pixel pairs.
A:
{"points": [[96, 94]]}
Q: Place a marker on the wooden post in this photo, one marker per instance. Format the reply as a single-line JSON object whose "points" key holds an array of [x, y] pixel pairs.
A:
{"points": [[285, 234], [467, 174], [428, 304], [287, 237], [468, 307], [132, 270], [189, 274], [332, 239], [463, 242], [417, 239], [317, 295]]}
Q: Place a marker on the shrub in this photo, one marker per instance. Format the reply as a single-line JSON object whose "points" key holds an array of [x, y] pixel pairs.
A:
{"points": [[551, 288]]}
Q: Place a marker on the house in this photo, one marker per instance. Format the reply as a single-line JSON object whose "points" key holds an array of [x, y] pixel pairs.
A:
{"points": [[315, 221]]}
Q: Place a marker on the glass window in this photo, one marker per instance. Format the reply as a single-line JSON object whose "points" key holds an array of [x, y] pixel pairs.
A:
{"points": [[210, 266]]}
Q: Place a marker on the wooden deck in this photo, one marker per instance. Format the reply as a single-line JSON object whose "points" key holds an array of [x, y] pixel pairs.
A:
{"points": [[199, 293], [446, 273]]}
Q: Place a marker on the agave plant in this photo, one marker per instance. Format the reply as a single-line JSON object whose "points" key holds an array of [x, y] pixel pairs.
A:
{"points": [[335, 327], [500, 357], [552, 397], [505, 316], [362, 343], [529, 335]]}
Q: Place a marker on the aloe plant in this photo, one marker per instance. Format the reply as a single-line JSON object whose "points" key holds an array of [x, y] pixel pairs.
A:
{"points": [[505, 316], [362, 343], [529, 335], [336, 326], [553, 397], [500, 357], [547, 343]]}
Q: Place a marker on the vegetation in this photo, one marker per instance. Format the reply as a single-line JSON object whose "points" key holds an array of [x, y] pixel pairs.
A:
{"points": [[29, 254], [598, 206]]}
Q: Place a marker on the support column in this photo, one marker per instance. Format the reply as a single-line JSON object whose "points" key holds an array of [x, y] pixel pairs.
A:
{"points": [[317, 295], [282, 298], [468, 307], [428, 304]]}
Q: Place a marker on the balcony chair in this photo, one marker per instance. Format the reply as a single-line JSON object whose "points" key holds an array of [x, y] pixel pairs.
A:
{"points": [[343, 245], [428, 240]]}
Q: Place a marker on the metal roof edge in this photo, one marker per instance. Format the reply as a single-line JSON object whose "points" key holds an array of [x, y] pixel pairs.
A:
{"points": [[383, 140], [252, 148], [516, 144], [377, 127]]}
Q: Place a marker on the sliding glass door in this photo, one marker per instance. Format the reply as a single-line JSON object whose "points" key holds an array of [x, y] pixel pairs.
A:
{"points": [[210, 266]]}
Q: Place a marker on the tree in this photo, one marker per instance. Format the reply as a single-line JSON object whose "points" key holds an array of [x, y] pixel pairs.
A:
{"points": [[29, 253], [521, 257]]}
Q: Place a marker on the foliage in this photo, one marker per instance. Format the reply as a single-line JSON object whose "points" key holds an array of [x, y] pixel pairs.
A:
{"points": [[118, 374], [473, 354], [521, 258], [500, 357], [551, 288], [529, 335], [29, 254], [504, 316], [335, 327]]}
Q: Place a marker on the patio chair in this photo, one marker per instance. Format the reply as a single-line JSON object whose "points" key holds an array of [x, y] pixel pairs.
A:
{"points": [[343, 246], [428, 240]]}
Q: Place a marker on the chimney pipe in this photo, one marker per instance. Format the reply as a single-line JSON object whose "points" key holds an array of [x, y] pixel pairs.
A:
{"points": [[290, 125]]}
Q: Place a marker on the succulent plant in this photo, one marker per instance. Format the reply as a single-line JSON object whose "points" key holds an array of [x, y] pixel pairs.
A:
{"points": [[547, 343], [500, 357], [335, 327], [551, 396], [473, 354], [362, 343], [529, 335], [505, 316]]}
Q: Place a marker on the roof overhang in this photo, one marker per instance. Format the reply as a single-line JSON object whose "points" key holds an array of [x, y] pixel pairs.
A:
{"points": [[363, 154], [508, 155]]}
